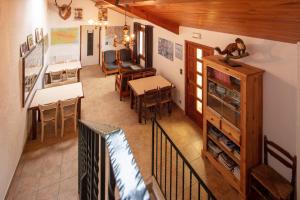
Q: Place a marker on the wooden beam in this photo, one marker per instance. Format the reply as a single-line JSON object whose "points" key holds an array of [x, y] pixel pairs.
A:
{"points": [[169, 25]]}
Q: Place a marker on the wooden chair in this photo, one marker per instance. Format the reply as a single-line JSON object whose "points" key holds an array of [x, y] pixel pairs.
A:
{"points": [[125, 59], [121, 84], [48, 113], [165, 98], [150, 103], [71, 75], [268, 183], [68, 111], [56, 77], [110, 62]]}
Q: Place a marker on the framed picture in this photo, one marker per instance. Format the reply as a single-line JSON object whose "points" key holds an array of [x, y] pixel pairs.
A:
{"points": [[30, 41], [37, 35], [46, 43], [166, 48], [78, 14], [41, 34], [178, 51], [24, 49]]}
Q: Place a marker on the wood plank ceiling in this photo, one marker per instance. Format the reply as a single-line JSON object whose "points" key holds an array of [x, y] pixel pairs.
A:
{"points": [[269, 19]]}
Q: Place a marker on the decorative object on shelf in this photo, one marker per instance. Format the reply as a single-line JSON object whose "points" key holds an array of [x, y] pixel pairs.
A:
{"points": [[235, 50], [64, 36], [166, 48], [64, 10], [39, 35], [178, 51], [46, 43], [23, 49], [30, 41], [102, 18], [78, 14]]}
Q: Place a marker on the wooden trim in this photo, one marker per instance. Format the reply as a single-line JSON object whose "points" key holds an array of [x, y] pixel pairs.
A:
{"points": [[169, 25]]}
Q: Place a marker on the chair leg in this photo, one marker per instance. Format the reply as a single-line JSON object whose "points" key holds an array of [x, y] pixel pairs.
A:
{"points": [[62, 127], [42, 132], [75, 124], [55, 127]]}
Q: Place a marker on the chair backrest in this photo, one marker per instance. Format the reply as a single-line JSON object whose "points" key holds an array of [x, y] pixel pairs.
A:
{"points": [[71, 73], [48, 109], [125, 54], [70, 104], [56, 76], [150, 95], [109, 56], [149, 73], [137, 75], [289, 160], [166, 92]]}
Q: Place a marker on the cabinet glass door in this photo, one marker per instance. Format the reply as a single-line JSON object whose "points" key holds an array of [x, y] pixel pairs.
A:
{"points": [[223, 95]]}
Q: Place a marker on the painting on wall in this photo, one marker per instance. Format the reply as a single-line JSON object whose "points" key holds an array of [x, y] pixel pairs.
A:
{"points": [[78, 14], [166, 48], [113, 31], [178, 51], [23, 49], [30, 41], [61, 36]]}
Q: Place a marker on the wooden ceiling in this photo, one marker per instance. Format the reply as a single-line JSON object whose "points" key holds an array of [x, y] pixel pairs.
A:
{"points": [[269, 19]]}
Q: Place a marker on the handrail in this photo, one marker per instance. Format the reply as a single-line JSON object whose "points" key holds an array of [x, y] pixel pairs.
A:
{"points": [[94, 139], [167, 193]]}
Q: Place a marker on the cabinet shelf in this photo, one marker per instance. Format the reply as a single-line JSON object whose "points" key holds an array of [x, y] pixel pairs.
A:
{"points": [[224, 102], [226, 85], [229, 153]]}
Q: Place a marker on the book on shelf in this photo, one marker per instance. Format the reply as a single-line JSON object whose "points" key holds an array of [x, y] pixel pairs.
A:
{"points": [[228, 144], [236, 152], [215, 133], [236, 172], [214, 149], [226, 161]]}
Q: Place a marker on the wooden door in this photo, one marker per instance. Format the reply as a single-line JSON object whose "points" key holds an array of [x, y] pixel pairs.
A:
{"points": [[193, 79]]}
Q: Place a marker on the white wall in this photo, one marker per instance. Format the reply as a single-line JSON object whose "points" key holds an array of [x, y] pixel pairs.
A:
{"points": [[89, 12], [278, 59], [15, 25]]}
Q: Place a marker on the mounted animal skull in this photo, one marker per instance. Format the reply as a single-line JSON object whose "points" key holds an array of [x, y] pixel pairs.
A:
{"points": [[64, 10]]}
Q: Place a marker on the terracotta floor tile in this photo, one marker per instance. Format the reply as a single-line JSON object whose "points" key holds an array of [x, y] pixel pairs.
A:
{"points": [[48, 193]]}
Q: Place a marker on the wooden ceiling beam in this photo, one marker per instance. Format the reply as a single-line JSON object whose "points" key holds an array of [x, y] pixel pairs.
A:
{"points": [[169, 25]]}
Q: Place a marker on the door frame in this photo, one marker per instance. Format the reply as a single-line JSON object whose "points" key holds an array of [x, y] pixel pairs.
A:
{"points": [[100, 30], [187, 42]]}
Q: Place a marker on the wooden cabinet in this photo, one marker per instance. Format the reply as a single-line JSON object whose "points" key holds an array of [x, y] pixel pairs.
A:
{"points": [[232, 120]]}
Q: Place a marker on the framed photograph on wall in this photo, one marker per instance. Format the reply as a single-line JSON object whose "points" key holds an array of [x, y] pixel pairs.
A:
{"points": [[23, 49], [37, 35], [78, 14], [30, 41], [166, 48], [178, 51]]}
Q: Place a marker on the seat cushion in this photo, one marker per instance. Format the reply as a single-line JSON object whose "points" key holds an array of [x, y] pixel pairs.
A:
{"points": [[125, 55], [112, 66], [276, 184], [109, 56], [126, 64]]}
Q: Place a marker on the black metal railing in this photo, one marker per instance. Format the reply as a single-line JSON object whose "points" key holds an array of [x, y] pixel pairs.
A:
{"points": [[122, 170], [174, 175]]}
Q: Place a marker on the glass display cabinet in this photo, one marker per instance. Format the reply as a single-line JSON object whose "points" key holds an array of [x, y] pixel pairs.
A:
{"points": [[232, 119]]}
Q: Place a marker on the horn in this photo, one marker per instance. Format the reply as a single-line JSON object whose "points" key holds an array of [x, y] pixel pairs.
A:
{"points": [[69, 4]]}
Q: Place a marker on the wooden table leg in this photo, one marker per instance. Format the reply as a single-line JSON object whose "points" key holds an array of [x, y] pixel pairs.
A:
{"points": [[139, 99], [131, 99], [34, 124], [78, 75], [79, 108]]}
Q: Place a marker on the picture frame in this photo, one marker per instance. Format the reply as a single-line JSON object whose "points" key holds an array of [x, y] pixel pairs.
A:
{"points": [[37, 35], [41, 34], [178, 51], [30, 41], [78, 14], [166, 48], [23, 49]]}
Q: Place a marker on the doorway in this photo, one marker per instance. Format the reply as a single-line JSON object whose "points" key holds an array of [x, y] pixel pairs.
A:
{"points": [[90, 45], [193, 79]]}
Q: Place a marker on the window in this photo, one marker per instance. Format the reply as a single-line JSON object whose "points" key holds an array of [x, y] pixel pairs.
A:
{"points": [[141, 41]]}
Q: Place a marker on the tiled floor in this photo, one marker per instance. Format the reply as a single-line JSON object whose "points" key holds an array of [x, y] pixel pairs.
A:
{"points": [[49, 171]]}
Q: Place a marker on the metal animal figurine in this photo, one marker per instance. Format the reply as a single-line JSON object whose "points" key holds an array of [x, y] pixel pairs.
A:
{"points": [[64, 10], [231, 49]]}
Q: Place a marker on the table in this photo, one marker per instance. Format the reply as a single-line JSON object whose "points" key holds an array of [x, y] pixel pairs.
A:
{"points": [[54, 94], [139, 86], [64, 66]]}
